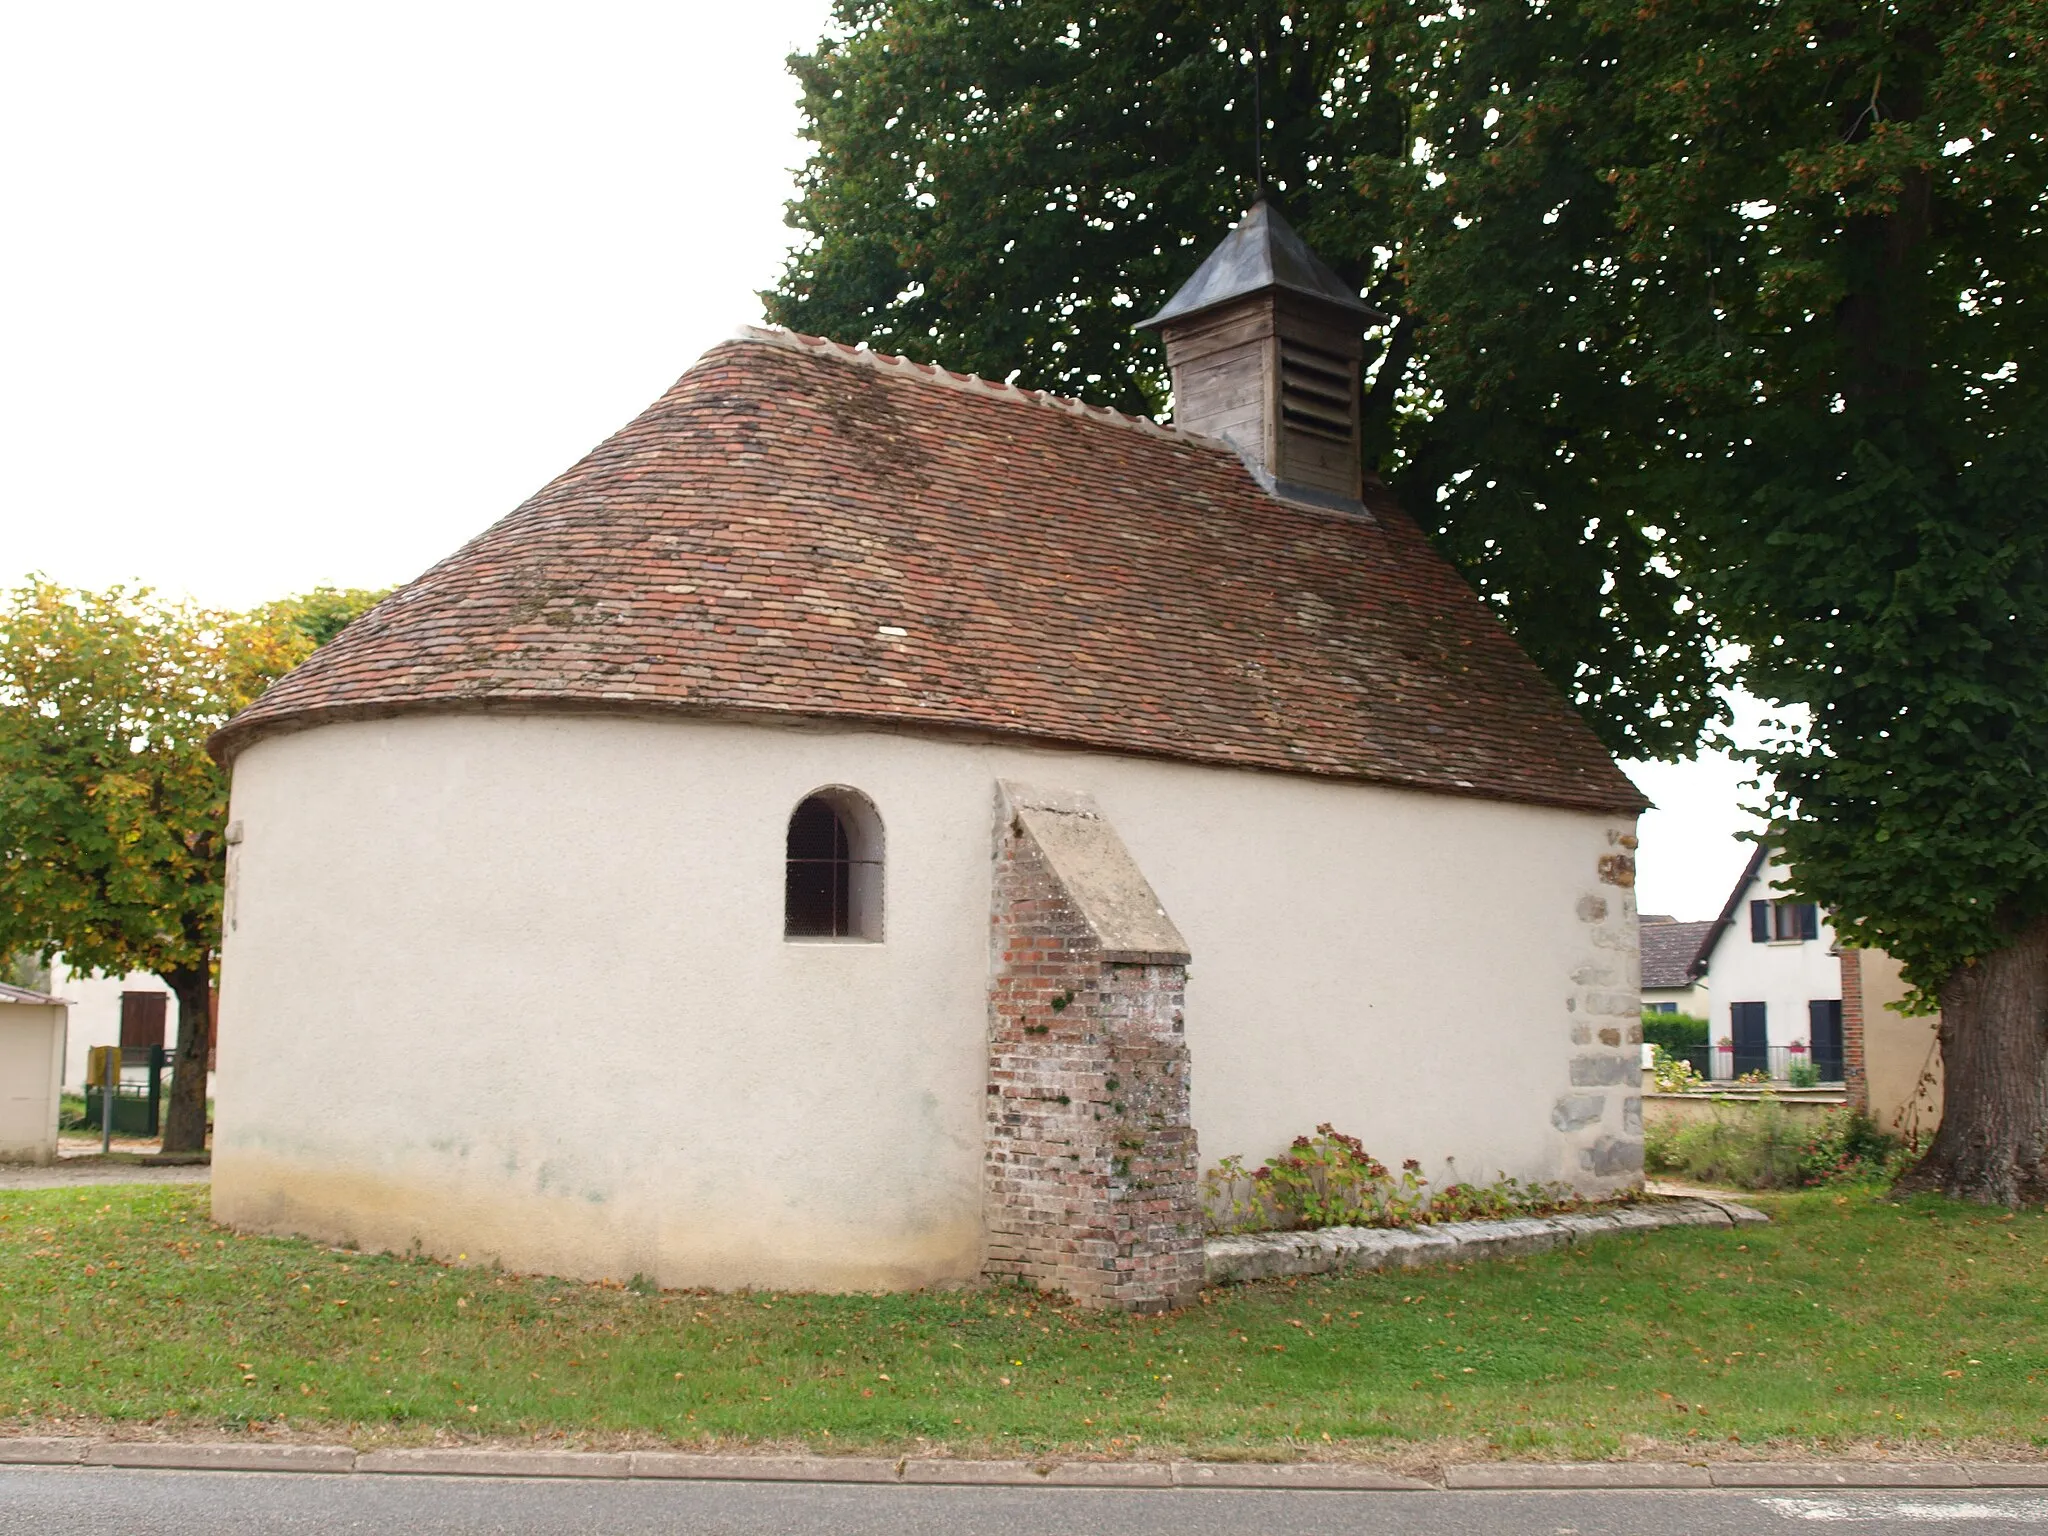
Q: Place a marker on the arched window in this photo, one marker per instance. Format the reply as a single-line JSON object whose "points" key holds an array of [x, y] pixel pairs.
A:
{"points": [[833, 885]]}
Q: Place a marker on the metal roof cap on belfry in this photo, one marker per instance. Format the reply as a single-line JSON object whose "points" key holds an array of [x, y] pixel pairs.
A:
{"points": [[1261, 252]]}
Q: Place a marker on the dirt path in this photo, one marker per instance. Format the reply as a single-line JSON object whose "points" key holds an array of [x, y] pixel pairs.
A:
{"points": [[79, 1163]]}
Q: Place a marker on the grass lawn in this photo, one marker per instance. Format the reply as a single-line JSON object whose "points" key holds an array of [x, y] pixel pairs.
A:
{"points": [[1849, 1321]]}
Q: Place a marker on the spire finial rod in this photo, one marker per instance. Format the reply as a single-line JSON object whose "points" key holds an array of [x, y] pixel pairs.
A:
{"points": [[1259, 120]]}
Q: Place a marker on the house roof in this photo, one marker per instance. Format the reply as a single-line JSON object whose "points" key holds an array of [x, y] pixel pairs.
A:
{"points": [[804, 530], [1729, 907], [1261, 251], [13, 994], [1670, 950]]}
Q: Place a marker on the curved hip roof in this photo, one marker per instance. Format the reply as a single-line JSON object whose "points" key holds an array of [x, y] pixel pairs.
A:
{"points": [[799, 529]]}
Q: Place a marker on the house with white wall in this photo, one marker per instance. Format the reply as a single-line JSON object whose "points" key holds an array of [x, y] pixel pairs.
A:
{"points": [[1776, 978]]}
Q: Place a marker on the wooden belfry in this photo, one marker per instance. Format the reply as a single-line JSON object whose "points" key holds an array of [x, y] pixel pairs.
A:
{"points": [[1265, 343]]}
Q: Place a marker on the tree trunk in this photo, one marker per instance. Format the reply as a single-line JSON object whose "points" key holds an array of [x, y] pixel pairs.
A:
{"points": [[1993, 1141], [185, 1123]]}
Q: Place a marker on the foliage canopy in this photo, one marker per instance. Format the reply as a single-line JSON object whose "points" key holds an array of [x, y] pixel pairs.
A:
{"points": [[1712, 324], [113, 818], [113, 811], [1008, 187], [1812, 234]]}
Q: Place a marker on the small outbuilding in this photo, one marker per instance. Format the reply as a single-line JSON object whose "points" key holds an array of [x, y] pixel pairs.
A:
{"points": [[31, 1074], [869, 826]]}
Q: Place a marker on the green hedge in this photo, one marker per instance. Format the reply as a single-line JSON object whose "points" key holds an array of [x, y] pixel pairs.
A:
{"points": [[1674, 1031]]}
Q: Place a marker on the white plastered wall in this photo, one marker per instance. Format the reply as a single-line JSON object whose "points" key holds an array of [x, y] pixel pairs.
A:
{"points": [[515, 987], [31, 1071]]}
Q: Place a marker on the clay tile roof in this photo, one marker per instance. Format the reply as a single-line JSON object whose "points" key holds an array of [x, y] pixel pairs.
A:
{"points": [[1669, 950], [802, 529]]}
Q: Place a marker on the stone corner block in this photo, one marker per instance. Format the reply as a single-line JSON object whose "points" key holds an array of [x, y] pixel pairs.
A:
{"points": [[221, 1458], [482, 1462], [1616, 1071], [1573, 1110], [1613, 1157], [44, 1450]]}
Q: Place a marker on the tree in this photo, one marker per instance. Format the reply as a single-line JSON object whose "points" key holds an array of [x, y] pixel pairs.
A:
{"points": [[1877, 528], [1717, 320], [323, 613], [112, 816], [1006, 186], [1815, 231]]}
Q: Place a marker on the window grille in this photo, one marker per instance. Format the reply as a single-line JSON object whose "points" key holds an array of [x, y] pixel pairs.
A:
{"points": [[832, 886]]}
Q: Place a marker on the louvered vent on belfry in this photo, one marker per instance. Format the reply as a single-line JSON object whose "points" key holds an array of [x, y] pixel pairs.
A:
{"points": [[1316, 391]]}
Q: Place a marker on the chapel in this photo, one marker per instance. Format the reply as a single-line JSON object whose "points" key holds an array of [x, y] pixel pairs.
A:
{"points": [[866, 826]]}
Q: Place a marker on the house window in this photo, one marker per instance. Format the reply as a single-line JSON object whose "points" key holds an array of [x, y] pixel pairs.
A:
{"points": [[1783, 922], [832, 887], [1660, 1007]]}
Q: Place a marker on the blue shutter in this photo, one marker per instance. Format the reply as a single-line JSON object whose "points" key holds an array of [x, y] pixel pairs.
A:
{"points": [[1824, 1034], [1809, 920], [1759, 922], [1750, 1027]]}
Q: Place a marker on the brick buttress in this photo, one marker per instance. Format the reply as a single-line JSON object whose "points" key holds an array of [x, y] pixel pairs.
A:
{"points": [[1091, 1175]]}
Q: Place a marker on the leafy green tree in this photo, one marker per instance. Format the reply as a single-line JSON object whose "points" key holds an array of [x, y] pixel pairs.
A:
{"points": [[1865, 201], [1814, 234], [322, 613], [112, 816], [26, 969], [1007, 186], [1715, 319]]}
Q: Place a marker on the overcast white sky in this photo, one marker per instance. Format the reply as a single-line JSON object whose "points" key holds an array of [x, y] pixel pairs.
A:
{"points": [[296, 293]]}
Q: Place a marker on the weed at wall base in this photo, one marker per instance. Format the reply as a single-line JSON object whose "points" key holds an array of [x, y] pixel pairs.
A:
{"points": [[1760, 1146], [1330, 1180]]}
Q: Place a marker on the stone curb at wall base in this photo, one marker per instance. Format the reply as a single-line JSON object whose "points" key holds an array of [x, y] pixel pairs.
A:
{"points": [[481, 1461], [1353, 1250]]}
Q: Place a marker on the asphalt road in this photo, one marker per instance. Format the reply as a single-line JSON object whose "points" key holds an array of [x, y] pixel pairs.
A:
{"points": [[77, 1501]]}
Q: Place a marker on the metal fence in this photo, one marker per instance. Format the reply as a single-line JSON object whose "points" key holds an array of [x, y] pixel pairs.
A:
{"points": [[1775, 1063], [137, 1103]]}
